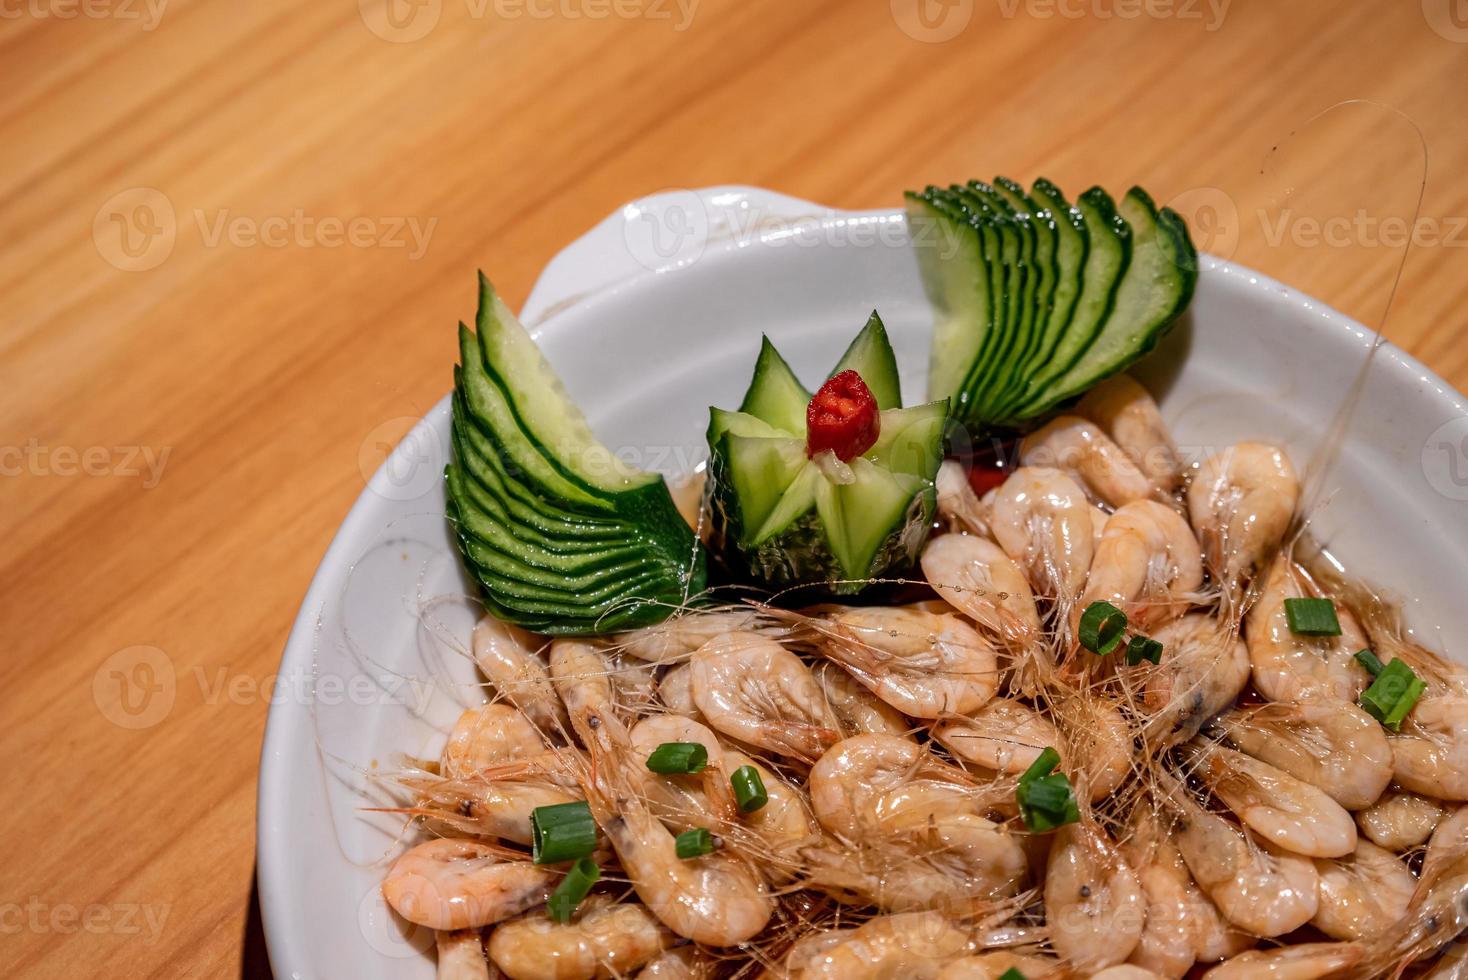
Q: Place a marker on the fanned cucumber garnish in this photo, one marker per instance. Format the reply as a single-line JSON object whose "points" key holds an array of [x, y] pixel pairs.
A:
{"points": [[1037, 299], [832, 489], [562, 536]]}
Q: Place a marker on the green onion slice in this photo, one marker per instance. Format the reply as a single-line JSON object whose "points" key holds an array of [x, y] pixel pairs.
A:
{"points": [[1368, 660], [1012, 974], [1143, 648], [563, 832], [1046, 800], [1312, 617], [1043, 765], [1102, 625], [749, 789], [694, 843], [1394, 693], [678, 757], [573, 889]]}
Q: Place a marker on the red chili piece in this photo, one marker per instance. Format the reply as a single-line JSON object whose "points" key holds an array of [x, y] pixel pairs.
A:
{"points": [[842, 417]]}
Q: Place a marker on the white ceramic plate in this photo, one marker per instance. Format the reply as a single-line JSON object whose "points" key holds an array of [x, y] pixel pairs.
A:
{"points": [[655, 315]]}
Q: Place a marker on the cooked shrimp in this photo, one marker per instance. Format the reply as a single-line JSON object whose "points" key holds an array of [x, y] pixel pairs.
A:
{"points": [[781, 824], [1079, 447], [1169, 942], [1290, 667], [859, 711], [1094, 906], [958, 505], [461, 955], [1401, 821], [1290, 814], [1431, 750], [1438, 911], [1306, 961], [1261, 890], [675, 690], [1329, 744], [507, 656], [865, 782], [1204, 668], [1004, 736], [460, 884], [1126, 971], [634, 684], [604, 939], [495, 802], [1241, 502], [923, 664], [1129, 415], [1148, 564], [679, 963], [1042, 520], [582, 675], [977, 578], [960, 863], [1362, 894], [994, 965], [1097, 746], [685, 801], [807, 948], [752, 689], [912, 945], [718, 899], [674, 639], [493, 734]]}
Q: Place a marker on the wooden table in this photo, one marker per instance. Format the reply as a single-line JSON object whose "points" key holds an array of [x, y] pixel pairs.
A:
{"points": [[203, 355]]}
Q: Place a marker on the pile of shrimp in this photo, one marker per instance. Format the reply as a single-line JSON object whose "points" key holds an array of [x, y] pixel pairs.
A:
{"points": [[1240, 815]]}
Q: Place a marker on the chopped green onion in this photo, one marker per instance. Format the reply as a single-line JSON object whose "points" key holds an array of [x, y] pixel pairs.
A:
{"points": [[694, 843], [1312, 617], [1394, 693], [572, 890], [1102, 625], [563, 832], [1047, 803], [1043, 765], [1012, 974], [1046, 800], [1143, 648], [1368, 660], [749, 789], [678, 757]]}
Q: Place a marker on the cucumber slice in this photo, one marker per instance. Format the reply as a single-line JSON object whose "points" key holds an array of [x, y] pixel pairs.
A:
{"points": [[870, 355], [561, 536], [1000, 250], [766, 469], [1017, 257], [540, 405], [859, 516], [956, 279], [1157, 286], [744, 424], [910, 440], [1109, 255], [775, 394], [1045, 272]]}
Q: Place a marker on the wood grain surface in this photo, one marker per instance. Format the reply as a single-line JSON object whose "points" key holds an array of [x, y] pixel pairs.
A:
{"points": [[216, 315]]}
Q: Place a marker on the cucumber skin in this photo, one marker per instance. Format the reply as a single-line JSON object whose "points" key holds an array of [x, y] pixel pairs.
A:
{"points": [[800, 555]]}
